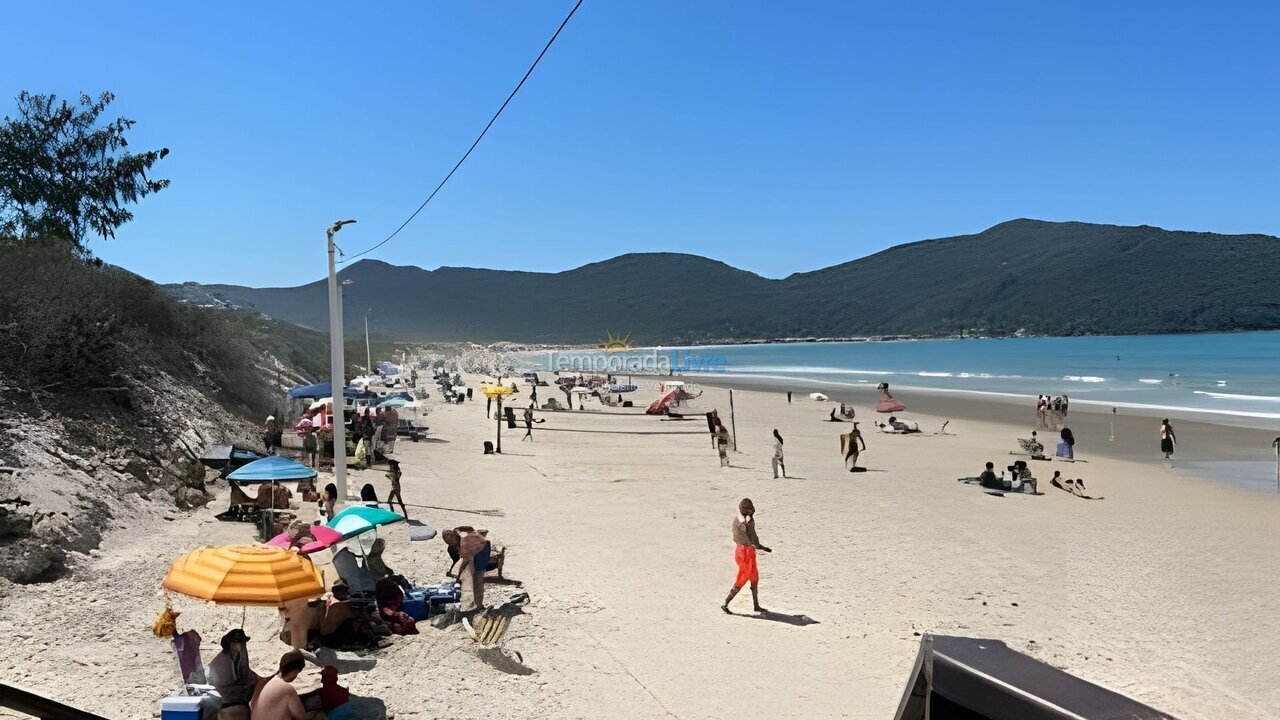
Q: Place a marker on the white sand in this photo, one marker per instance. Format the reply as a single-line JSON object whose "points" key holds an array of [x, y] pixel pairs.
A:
{"points": [[1163, 591]]}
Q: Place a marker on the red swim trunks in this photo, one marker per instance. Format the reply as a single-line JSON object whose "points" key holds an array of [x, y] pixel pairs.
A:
{"points": [[745, 555]]}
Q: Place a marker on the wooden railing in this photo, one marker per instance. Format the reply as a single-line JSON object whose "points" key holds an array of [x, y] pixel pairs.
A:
{"points": [[39, 706]]}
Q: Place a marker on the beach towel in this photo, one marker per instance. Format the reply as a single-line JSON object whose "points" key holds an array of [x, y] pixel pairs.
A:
{"points": [[889, 405], [745, 557], [187, 647]]}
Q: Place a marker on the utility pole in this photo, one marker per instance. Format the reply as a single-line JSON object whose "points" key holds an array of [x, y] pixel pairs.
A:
{"points": [[733, 421], [337, 382], [368, 357]]}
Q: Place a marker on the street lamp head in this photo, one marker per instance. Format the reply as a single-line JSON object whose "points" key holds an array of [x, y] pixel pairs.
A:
{"points": [[347, 282], [336, 227]]}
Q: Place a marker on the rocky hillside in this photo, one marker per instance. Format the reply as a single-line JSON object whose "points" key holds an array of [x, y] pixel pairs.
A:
{"points": [[108, 390]]}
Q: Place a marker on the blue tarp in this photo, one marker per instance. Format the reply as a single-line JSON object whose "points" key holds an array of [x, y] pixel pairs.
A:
{"points": [[271, 468], [323, 390]]}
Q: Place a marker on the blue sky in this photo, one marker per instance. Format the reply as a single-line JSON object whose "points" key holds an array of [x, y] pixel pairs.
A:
{"points": [[776, 136]]}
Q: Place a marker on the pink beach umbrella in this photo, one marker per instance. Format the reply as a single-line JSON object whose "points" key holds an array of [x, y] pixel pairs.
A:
{"points": [[324, 538]]}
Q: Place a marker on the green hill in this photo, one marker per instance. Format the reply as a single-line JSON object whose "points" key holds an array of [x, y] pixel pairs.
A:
{"points": [[1024, 275]]}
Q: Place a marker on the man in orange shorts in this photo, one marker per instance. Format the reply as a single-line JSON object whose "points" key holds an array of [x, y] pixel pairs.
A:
{"points": [[744, 553]]}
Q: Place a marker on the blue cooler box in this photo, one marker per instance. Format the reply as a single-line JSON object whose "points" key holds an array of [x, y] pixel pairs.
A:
{"points": [[188, 707], [415, 604]]}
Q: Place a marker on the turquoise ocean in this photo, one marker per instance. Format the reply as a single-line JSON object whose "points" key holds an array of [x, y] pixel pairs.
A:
{"points": [[1235, 376]]}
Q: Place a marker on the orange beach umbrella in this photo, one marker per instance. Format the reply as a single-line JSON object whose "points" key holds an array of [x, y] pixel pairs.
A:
{"points": [[248, 575]]}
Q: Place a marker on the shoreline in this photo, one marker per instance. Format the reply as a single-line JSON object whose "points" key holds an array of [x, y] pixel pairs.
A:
{"points": [[1234, 455]]}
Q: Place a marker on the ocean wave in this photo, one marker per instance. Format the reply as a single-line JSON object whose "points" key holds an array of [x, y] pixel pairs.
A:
{"points": [[936, 374], [1150, 381], [1229, 396], [1084, 378], [818, 370]]}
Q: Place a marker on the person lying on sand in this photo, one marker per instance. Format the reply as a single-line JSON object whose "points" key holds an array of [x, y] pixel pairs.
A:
{"points": [[1075, 487]]}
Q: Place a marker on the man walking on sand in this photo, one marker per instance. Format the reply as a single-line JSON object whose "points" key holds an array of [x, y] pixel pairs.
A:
{"points": [[744, 554], [849, 443], [528, 424]]}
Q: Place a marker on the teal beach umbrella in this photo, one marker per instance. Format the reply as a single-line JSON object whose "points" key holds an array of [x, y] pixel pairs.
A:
{"points": [[359, 519]]}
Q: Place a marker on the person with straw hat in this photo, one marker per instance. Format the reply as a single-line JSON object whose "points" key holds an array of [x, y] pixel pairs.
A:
{"points": [[230, 674]]}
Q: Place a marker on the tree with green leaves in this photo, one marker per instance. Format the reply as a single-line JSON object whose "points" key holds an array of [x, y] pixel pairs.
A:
{"points": [[64, 176]]}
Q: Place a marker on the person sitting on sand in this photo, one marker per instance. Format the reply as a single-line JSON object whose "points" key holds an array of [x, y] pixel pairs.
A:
{"points": [[277, 699], [847, 413], [231, 676], [745, 542], [344, 626], [1021, 475], [390, 597], [329, 500], [990, 479], [330, 696], [273, 495]]}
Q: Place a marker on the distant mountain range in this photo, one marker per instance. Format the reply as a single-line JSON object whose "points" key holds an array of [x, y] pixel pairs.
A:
{"points": [[1022, 276]]}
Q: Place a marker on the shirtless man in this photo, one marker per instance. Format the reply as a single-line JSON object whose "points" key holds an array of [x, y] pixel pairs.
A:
{"points": [[849, 446], [277, 699]]}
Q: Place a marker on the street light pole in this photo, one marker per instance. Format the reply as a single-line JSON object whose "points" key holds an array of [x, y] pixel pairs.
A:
{"points": [[337, 381], [368, 358]]}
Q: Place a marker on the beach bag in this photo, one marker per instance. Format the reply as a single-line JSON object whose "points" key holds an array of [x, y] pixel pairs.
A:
{"points": [[488, 447]]}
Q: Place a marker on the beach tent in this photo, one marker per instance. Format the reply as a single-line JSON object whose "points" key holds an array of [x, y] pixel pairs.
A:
{"points": [[249, 575], [393, 402], [228, 457], [663, 402], [960, 678], [272, 467], [323, 390]]}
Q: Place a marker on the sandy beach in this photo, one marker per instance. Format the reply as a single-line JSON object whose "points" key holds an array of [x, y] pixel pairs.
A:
{"points": [[618, 526]]}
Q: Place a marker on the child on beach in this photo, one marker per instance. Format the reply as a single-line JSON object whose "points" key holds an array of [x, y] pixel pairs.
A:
{"points": [[744, 554]]}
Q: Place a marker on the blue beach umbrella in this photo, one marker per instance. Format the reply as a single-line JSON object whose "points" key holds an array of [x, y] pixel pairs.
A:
{"points": [[359, 519], [274, 467]]}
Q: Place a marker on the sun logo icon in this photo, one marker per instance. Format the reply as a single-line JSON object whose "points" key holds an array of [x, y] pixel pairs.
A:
{"points": [[613, 344]]}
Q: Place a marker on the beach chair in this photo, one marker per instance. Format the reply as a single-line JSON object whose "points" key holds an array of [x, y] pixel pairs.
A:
{"points": [[355, 576]]}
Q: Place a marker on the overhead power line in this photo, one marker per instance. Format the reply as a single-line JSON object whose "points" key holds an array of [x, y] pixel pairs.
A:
{"points": [[480, 137]]}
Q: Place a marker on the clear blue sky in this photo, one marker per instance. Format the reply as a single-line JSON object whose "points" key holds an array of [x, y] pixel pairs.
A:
{"points": [[776, 136]]}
